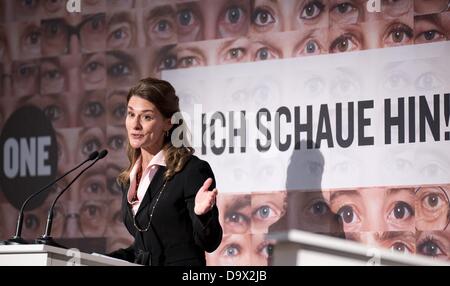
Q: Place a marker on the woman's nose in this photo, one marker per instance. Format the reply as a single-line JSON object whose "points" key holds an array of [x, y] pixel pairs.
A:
{"points": [[136, 124]]}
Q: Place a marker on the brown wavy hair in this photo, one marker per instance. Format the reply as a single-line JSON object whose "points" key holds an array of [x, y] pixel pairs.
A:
{"points": [[162, 94]]}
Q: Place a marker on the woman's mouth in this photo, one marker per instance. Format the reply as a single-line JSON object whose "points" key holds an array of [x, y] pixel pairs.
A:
{"points": [[137, 136]]}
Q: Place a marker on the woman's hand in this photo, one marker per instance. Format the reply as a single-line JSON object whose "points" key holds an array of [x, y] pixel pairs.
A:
{"points": [[205, 199]]}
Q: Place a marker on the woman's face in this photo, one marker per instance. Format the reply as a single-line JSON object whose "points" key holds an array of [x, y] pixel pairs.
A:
{"points": [[145, 125]]}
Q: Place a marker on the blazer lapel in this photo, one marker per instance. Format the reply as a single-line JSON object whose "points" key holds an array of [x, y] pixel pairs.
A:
{"points": [[155, 186]]}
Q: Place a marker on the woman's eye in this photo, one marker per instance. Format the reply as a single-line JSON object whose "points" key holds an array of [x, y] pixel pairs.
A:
{"points": [[235, 54], [93, 109], [236, 217], [319, 208], [311, 47], [90, 146], [430, 248], [52, 74], [53, 112], [31, 221], [92, 211], [400, 247], [119, 111], [94, 188], [401, 211], [432, 201], [347, 215], [119, 69], [32, 38], [26, 71], [264, 212], [119, 36], [233, 15], [116, 142], [232, 250], [97, 23], [262, 17], [162, 26], [312, 10], [53, 29], [343, 43], [399, 35], [167, 63], [265, 53], [119, 33], [343, 8], [186, 18], [92, 67], [430, 36], [188, 62]]}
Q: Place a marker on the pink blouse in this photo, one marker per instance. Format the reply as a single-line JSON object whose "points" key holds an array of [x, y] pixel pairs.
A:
{"points": [[147, 176]]}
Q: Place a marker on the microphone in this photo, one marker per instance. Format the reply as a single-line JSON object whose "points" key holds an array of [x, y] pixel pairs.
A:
{"points": [[46, 237], [17, 239]]}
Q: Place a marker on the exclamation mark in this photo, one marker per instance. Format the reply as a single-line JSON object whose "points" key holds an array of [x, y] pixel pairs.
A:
{"points": [[447, 114]]}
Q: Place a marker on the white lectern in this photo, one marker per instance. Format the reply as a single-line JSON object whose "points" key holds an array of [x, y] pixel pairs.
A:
{"points": [[295, 247], [44, 255]]}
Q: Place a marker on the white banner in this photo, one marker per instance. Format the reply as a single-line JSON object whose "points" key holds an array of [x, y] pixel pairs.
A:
{"points": [[374, 118]]}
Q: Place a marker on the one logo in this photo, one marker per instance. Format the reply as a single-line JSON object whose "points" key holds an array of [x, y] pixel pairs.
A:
{"points": [[373, 6], [28, 155], [73, 6]]}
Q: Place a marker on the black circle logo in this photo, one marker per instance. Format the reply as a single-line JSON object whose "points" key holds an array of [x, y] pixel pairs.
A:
{"points": [[28, 156]]}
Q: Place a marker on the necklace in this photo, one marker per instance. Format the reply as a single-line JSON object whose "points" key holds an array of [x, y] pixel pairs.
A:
{"points": [[151, 213]]}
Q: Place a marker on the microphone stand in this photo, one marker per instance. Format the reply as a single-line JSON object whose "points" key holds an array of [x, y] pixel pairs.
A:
{"points": [[46, 237], [17, 239]]}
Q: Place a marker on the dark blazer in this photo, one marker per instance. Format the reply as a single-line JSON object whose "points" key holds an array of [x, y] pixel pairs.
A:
{"points": [[177, 236]]}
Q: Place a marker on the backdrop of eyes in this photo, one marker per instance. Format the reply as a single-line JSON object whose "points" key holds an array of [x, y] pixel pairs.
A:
{"points": [[320, 115]]}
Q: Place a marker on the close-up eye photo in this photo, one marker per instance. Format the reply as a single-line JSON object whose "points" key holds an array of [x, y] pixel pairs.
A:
{"points": [[94, 71], [121, 68], [266, 209], [434, 244], [236, 213], [431, 28], [161, 22], [121, 30], [345, 12], [432, 205], [398, 34], [346, 38]]}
